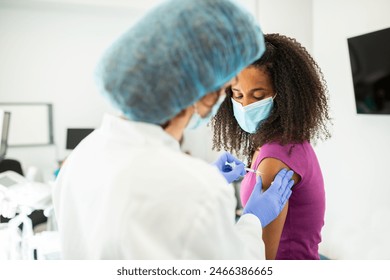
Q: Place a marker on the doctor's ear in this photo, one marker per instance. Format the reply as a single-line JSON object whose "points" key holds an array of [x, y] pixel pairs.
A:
{"points": [[181, 114], [180, 120]]}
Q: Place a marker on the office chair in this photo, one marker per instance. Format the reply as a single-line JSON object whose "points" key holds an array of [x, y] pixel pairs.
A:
{"points": [[11, 164]]}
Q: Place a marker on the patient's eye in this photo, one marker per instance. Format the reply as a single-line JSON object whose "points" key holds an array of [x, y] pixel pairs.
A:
{"points": [[237, 94]]}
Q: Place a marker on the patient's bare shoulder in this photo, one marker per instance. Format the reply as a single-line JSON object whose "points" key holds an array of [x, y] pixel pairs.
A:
{"points": [[269, 167]]}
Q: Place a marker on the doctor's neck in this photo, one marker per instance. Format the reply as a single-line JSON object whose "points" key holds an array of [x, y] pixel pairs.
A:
{"points": [[175, 133]]}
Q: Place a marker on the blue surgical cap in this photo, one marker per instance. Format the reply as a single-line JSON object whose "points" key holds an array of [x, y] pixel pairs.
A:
{"points": [[177, 53]]}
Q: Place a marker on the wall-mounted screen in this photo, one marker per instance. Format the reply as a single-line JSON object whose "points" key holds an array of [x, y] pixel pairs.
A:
{"points": [[370, 64], [31, 124]]}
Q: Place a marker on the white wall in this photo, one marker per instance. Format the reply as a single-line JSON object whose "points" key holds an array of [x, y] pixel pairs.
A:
{"points": [[355, 161], [290, 18]]}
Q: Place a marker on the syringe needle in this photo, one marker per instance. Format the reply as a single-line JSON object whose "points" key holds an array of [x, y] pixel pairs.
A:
{"points": [[252, 170]]}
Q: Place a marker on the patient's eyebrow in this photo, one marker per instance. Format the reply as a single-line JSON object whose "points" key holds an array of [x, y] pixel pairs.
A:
{"points": [[252, 90]]}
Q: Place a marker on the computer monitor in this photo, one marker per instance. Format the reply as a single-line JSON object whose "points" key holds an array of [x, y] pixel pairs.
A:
{"points": [[4, 129], [75, 135]]}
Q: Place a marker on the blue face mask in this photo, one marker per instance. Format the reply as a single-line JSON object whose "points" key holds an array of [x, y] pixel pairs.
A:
{"points": [[250, 116], [197, 121]]}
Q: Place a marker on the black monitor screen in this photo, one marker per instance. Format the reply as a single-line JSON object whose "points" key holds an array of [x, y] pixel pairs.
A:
{"points": [[4, 129], [75, 135], [370, 63]]}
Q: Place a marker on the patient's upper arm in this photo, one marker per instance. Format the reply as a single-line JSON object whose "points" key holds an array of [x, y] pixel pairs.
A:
{"points": [[269, 167]]}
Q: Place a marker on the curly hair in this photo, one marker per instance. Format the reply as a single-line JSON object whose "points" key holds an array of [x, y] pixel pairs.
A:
{"points": [[300, 111]]}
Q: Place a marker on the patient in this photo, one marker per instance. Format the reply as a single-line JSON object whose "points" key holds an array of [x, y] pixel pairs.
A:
{"points": [[272, 113]]}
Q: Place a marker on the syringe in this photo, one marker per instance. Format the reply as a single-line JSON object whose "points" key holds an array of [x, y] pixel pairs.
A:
{"points": [[253, 171], [232, 164]]}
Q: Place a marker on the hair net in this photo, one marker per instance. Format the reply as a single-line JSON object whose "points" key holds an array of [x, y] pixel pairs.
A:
{"points": [[176, 54]]}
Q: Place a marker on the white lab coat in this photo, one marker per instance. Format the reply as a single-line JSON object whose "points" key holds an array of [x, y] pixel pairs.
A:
{"points": [[127, 192]]}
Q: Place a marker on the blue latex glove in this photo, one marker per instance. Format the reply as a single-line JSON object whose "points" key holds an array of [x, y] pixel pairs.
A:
{"points": [[231, 173], [268, 205]]}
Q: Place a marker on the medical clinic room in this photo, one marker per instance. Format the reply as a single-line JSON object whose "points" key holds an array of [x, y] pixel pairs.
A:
{"points": [[194, 130]]}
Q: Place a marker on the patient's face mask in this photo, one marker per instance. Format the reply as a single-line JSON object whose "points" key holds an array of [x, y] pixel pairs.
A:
{"points": [[196, 119], [249, 117]]}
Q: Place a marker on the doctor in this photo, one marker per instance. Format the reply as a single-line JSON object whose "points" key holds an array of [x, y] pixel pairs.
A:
{"points": [[127, 192]]}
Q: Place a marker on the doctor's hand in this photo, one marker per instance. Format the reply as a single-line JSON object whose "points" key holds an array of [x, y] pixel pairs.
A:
{"points": [[230, 167], [268, 205]]}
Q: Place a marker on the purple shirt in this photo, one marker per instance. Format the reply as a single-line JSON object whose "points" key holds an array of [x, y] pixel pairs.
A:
{"points": [[305, 218]]}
